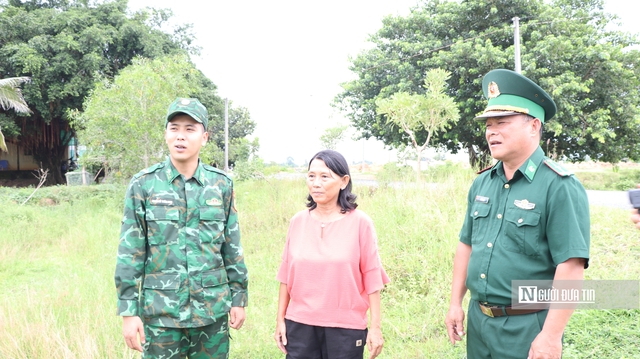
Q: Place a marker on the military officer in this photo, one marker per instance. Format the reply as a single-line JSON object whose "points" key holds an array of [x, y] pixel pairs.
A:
{"points": [[527, 219], [180, 274]]}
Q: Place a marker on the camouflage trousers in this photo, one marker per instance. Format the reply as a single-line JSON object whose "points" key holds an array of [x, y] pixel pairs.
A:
{"points": [[209, 342]]}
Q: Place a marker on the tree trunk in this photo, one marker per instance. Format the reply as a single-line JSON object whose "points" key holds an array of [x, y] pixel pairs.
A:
{"points": [[419, 155], [51, 159], [478, 158]]}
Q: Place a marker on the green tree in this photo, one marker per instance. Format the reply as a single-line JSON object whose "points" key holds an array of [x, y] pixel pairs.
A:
{"points": [[433, 112], [332, 136], [123, 121], [11, 99], [240, 126], [566, 47], [64, 46]]}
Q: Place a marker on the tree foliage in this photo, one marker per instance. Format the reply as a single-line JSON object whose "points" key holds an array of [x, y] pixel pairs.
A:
{"points": [[240, 126], [11, 99], [123, 121], [433, 112], [122, 124], [332, 136], [566, 46], [64, 46]]}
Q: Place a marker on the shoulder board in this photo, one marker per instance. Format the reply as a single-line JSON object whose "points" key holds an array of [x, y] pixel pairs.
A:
{"points": [[148, 170], [485, 169], [213, 169], [558, 169]]}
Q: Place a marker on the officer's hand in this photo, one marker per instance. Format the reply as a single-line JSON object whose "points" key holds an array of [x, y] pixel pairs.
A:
{"points": [[455, 323], [546, 347], [131, 328], [281, 336], [236, 317], [374, 342]]}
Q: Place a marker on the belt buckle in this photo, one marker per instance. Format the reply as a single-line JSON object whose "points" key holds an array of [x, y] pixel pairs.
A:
{"points": [[486, 310]]}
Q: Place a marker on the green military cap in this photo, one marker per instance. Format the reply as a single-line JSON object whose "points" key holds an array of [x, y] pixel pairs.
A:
{"points": [[510, 93], [188, 106]]}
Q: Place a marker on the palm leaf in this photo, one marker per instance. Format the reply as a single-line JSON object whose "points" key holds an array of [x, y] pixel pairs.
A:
{"points": [[11, 95], [3, 145]]}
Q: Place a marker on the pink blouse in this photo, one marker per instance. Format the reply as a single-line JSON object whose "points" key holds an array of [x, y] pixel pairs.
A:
{"points": [[330, 271]]}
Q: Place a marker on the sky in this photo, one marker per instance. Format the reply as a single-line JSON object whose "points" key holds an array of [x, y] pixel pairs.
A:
{"points": [[284, 60]]}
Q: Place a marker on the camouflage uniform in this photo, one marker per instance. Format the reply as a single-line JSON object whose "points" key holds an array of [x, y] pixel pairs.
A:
{"points": [[181, 241]]}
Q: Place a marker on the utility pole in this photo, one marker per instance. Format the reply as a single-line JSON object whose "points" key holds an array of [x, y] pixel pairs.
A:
{"points": [[516, 42], [363, 142], [226, 135]]}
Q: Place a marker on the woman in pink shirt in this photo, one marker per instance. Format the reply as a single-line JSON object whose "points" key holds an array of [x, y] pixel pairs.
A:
{"points": [[331, 272]]}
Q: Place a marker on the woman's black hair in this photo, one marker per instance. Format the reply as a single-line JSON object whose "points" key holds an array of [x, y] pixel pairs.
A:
{"points": [[338, 164]]}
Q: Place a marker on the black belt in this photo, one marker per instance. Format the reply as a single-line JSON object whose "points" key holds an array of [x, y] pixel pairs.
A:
{"points": [[500, 311]]}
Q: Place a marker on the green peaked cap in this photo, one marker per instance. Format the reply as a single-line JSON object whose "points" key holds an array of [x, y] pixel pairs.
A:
{"points": [[510, 93], [188, 106]]}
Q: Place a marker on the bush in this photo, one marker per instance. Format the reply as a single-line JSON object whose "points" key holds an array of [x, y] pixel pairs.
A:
{"points": [[394, 172], [246, 170], [620, 180]]}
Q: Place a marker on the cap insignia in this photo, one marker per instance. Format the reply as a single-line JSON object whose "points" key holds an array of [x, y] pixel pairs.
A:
{"points": [[493, 90], [185, 102]]}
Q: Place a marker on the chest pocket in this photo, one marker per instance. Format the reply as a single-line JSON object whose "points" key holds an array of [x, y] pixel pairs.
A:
{"points": [[212, 224], [522, 231], [479, 213], [162, 223]]}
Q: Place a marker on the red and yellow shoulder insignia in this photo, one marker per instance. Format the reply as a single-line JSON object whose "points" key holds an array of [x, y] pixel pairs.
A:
{"points": [[555, 167], [484, 169]]}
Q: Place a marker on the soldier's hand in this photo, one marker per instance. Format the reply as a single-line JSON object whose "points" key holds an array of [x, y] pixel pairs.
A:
{"points": [[236, 317], [131, 328], [455, 323], [281, 336]]}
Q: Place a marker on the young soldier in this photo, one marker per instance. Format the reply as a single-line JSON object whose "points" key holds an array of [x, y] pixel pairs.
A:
{"points": [[180, 270], [527, 219]]}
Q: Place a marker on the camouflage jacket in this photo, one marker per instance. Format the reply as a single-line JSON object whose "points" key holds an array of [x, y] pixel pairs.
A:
{"points": [[181, 241]]}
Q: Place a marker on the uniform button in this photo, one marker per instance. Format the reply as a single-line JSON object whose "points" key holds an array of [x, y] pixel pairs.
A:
{"points": [[499, 216], [489, 244], [520, 220], [506, 185], [482, 276], [475, 213]]}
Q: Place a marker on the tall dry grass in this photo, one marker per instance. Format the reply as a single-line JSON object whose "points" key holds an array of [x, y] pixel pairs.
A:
{"points": [[57, 298]]}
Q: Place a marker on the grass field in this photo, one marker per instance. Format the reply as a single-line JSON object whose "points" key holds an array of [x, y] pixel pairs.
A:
{"points": [[57, 257]]}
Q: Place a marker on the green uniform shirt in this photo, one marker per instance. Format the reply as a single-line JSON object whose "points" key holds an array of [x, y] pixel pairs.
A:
{"points": [[181, 241], [523, 228]]}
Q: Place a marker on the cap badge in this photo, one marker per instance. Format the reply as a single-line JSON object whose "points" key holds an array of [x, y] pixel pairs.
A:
{"points": [[493, 90], [185, 102]]}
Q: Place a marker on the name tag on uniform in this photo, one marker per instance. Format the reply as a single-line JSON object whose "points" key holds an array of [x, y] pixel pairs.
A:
{"points": [[155, 201], [482, 199], [524, 204]]}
